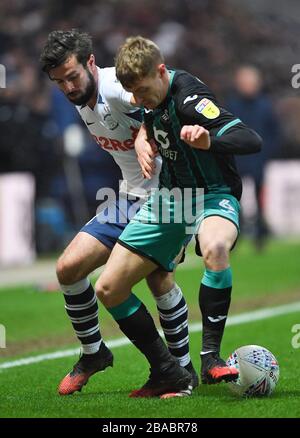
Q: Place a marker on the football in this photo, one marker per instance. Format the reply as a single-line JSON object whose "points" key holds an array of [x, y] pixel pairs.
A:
{"points": [[258, 371]]}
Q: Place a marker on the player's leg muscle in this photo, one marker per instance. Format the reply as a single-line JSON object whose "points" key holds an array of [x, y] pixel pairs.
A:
{"points": [[122, 271], [216, 237], [84, 254], [160, 282]]}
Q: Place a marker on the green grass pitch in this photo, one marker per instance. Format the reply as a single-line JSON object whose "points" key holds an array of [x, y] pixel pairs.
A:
{"points": [[36, 323]]}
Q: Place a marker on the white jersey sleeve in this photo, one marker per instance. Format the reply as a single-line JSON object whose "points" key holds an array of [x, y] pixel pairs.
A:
{"points": [[112, 90]]}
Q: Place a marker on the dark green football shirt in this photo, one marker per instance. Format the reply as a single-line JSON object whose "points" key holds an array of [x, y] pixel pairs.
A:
{"points": [[188, 102]]}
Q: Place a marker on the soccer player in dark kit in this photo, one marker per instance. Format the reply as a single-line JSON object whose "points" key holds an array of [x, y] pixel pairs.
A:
{"points": [[197, 139]]}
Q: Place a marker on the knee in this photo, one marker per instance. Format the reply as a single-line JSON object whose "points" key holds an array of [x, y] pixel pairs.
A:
{"points": [[67, 271], [216, 255], [104, 292]]}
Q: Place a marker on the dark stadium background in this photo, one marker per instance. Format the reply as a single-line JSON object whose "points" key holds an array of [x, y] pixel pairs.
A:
{"points": [[61, 171], [208, 38]]}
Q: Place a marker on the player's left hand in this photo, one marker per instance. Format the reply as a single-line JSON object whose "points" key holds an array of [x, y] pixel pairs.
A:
{"points": [[196, 136]]}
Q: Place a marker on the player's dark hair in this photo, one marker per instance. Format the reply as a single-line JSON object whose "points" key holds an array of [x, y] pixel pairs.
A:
{"points": [[62, 44]]}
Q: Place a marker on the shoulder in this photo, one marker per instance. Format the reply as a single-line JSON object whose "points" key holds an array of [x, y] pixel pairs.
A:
{"points": [[184, 84], [188, 91], [193, 98], [109, 86], [112, 91]]}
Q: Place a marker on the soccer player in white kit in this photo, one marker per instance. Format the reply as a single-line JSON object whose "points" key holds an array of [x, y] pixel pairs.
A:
{"points": [[112, 119]]}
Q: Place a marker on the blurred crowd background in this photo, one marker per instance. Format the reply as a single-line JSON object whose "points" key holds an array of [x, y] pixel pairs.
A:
{"points": [[243, 50]]}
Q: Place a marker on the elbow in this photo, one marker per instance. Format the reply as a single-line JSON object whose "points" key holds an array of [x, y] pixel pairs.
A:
{"points": [[255, 142]]}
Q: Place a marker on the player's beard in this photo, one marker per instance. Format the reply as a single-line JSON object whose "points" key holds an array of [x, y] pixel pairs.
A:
{"points": [[85, 96]]}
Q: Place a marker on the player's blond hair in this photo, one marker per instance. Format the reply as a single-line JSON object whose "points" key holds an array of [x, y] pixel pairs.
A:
{"points": [[136, 59]]}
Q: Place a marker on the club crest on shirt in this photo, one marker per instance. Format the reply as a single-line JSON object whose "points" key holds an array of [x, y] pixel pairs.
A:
{"points": [[207, 108], [110, 122]]}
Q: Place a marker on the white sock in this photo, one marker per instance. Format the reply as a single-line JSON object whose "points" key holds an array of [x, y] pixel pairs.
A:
{"points": [[170, 299]]}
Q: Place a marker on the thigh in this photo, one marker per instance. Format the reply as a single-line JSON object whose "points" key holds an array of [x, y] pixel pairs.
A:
{"points": [[217, 229], [110, 221], [219, 221], [86, 253], [123, 270]]}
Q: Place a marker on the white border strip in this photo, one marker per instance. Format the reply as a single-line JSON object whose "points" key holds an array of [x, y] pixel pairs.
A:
{"points": [[242, 318]]}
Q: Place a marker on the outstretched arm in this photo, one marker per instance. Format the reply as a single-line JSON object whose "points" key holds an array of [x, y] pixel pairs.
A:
{"points": [[238, 141]]}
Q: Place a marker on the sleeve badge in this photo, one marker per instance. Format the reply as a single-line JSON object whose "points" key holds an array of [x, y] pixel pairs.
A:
{"points": [[207, 108]]}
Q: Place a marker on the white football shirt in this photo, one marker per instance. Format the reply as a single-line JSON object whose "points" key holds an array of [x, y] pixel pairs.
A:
{"points": [[114, 124]]}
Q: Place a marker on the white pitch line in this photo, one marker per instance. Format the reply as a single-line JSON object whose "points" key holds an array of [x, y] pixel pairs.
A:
{"points": [[242, 318]]}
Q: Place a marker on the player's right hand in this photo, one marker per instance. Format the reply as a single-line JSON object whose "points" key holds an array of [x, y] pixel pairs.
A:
{"points": [[196, 136]]}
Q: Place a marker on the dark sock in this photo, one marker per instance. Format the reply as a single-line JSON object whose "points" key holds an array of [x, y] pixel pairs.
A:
{"points": [[214, 302], [137, 324]]}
